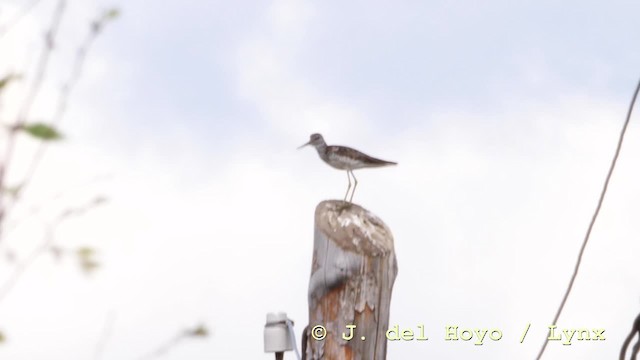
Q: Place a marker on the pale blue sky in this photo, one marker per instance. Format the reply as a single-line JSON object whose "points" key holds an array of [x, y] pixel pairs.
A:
{"points": [[396, 60]]}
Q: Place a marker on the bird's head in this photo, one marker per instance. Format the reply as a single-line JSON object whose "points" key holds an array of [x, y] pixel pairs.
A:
{"points": [[314, 140]]}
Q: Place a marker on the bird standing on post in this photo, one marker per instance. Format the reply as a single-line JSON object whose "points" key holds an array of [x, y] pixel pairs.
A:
{"points": [[344, 158]]}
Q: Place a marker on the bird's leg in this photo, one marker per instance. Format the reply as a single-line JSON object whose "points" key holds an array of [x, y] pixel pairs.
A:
{"points": [[354, 185], [349, 178]]}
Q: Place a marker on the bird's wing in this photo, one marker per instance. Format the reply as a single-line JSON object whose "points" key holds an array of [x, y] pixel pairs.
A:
{"points": [[350, 153]]}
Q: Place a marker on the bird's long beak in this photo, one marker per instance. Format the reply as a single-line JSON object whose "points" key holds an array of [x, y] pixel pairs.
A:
{"points": [[303, 145]]}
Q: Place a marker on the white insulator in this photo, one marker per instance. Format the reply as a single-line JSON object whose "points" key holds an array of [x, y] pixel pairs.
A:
{"points": [[276, 333]]}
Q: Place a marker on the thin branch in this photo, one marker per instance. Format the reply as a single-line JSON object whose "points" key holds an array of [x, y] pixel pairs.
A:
{"points": [[165, 347], [37, 208], [46, 245], [4, 30], [107, 330], [199, 331], [63, 99], [29, 99], [21, 267], [594, 217]]}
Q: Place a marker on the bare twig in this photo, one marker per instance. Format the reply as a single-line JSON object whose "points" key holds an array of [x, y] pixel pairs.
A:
{"points": [[63, 99], [35, 209], [46, 245], [165, 347], [22, 266], [199, 331], [105, 335], [594, 217], [40, 71], [4, 30]]}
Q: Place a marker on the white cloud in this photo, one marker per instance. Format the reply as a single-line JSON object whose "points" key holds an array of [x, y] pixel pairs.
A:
{"points": [[269, 78]]}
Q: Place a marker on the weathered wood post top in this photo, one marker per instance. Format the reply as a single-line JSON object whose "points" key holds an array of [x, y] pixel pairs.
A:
{"points": [[352, 275]]}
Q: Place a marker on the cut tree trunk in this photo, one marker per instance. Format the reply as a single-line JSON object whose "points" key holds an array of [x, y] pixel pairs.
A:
{"points": [[352, 275]]}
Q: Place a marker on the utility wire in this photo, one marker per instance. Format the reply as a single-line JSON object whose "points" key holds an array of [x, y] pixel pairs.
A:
{"points": [[635, 329], [595, 216], [292, 335]]}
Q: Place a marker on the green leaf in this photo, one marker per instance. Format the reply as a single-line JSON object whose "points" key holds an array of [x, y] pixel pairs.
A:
{"points": [[86, 257], [88, 266], [106, 16], [13, 191], [7, 79], [85, 253], [41, 131], [198, 331], [111, 14], [2, 338]]}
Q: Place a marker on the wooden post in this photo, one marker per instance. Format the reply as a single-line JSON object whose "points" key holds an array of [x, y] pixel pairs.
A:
{"points": [[352, 275]]}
